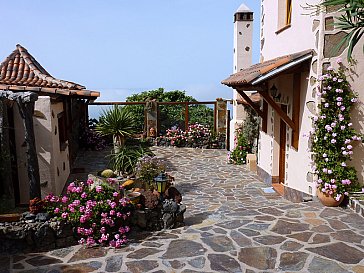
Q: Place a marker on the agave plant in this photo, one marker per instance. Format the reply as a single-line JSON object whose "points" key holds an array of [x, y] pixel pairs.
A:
{"points": [[351, 21], [117, 122]]}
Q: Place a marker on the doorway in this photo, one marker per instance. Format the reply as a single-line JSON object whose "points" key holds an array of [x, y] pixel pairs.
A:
{"points": [[282, 147]]}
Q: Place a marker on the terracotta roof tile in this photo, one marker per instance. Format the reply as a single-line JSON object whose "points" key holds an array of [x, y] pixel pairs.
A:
{"points": [[20, 68], [248, 75]]}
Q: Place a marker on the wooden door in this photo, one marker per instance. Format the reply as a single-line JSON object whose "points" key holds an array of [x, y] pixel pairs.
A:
{"points": [[282, 147]]}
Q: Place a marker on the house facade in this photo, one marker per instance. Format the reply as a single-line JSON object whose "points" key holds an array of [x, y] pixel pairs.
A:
{"points": [[297, 45], [58, 111]]}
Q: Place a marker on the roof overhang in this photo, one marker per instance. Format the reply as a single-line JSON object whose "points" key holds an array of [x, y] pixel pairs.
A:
{"points": [[251, 77], [88, 94], [256, 76]]}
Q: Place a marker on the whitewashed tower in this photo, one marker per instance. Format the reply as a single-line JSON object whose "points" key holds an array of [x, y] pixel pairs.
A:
{"points": [[243, 41]]}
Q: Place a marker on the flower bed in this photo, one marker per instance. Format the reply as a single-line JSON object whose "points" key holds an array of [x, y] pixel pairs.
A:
{"points": [[98, 211], [196, 136]]}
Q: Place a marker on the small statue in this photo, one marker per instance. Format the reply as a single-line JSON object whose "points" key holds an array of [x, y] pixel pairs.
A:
{"points": [[152, 132]]}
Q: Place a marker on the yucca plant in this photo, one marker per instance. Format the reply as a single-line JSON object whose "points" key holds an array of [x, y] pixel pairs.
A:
{"points": [[117, 122]]}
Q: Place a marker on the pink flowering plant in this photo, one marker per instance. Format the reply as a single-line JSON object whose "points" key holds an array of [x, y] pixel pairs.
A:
{"points": [[97, 211], [333, 136], [149, 167], [196, 136]]}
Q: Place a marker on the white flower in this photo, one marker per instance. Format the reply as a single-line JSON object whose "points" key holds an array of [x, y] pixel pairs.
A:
{"points": [[343, 164]]}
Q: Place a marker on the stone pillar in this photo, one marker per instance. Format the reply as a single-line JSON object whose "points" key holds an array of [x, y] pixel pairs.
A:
{"points": [[221, 116], [151, 111], [7, 188]]}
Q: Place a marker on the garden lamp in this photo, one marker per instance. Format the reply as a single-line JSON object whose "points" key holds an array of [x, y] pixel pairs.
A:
{"points": [[273, 91], [161, 182]]}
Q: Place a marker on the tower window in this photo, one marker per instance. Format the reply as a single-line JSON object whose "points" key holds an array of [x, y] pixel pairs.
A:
{"points": [[243, 16]]}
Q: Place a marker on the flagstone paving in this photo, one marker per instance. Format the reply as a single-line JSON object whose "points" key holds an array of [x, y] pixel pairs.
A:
{"points": [[231, 225]]}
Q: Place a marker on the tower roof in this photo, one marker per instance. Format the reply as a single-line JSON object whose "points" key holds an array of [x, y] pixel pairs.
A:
{"points": [[21, 71], [243, 8]]}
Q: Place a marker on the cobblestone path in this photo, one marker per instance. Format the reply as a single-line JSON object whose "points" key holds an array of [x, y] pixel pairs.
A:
{"points": [[231, 226]]}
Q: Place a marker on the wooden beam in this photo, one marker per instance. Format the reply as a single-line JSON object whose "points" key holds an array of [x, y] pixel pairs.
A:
{"points": [[250, 102], [278, 109], [265, 117], [186, 116], [296, 109]]}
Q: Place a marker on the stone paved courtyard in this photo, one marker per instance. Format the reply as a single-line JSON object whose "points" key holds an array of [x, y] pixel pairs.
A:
{"points": [[231, 225]]}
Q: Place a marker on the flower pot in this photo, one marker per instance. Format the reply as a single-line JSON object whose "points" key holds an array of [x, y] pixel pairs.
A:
{"points": [[134, 197], [328, 200]]}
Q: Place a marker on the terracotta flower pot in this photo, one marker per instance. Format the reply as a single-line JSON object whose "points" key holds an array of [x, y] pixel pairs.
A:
{"points": [[328, 200]]}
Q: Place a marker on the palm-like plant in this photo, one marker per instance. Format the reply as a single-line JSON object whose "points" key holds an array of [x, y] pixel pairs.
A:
{"points": [[351, 21], [117, 122]]}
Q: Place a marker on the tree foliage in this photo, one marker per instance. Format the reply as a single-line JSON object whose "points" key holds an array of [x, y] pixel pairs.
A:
{"points": [[170, 115]]}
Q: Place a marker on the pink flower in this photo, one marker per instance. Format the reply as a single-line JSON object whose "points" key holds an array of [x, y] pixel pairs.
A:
{"points": [[56, 210], [64, 215], [64, 199], [98, 189], [83, 195], [115, 194], [89, 182]]}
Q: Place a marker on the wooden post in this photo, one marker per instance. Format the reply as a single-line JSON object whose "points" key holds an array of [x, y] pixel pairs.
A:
{"points": [[186, 116], [7, 188], [26, 109], [296, 109]]}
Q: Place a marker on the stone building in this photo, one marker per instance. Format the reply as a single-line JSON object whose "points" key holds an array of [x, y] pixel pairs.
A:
{"points": [[295, 50], [41, 119]]}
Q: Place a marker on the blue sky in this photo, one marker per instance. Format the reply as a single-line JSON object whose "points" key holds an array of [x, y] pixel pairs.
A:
{"points": [[121, 47]]}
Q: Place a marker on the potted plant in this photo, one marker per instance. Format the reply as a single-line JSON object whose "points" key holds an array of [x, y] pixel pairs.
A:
{"points": [[333, 138], [118, 123]]}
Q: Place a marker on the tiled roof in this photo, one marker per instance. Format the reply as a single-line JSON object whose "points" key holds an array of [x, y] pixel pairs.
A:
{"points": [[247, 76], [20, 71]]}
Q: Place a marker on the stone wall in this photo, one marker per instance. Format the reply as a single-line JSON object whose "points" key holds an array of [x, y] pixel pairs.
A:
{"points": [[35, 233]]}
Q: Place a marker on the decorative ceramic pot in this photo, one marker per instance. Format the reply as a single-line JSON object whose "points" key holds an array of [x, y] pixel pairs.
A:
{"points": [[328, 200], [134, 197]]}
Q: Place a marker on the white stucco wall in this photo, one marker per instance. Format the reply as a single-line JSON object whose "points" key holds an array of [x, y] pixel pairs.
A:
{"points": [[60, 158], [44, 143], [307, 32], [299, 161], [296, 38]]}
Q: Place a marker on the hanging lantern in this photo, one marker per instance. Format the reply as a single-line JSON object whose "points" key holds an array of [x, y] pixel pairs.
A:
{"points": [[161, 182]]}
